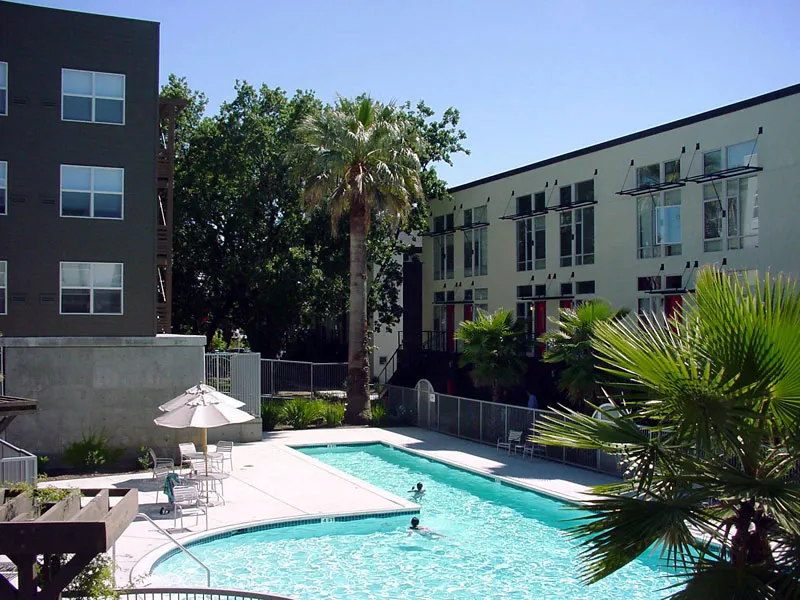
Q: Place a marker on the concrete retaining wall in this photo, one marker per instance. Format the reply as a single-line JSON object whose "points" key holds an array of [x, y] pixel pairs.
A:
{"points": [[97, 384]]}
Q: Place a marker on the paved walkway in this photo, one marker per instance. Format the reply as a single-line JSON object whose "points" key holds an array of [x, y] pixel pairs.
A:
{"points": [[270, 481]]}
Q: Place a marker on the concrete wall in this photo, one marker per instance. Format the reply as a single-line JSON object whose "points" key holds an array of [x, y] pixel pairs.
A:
{"points": [[616, 265], [106, 384]]}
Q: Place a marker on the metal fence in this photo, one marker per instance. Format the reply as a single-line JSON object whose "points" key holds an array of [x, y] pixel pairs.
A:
{"points": [[236, 374], [282, 378], [2, 373], [487, 423], [178, 593], [17, 465]]}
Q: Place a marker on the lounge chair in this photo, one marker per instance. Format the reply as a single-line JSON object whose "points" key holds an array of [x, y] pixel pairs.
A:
{"points": [[226, 449], [514, 440], [533, 447], [186, 501]]}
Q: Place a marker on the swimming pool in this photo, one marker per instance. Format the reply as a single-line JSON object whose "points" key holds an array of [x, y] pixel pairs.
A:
{"points": [[501, 542]]}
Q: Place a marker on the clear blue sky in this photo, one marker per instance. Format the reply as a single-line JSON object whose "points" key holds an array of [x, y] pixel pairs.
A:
{"points": [[532, 79]]}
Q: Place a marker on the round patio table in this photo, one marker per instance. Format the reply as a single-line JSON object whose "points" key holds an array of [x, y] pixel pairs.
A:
{"points": [[205, 478]]}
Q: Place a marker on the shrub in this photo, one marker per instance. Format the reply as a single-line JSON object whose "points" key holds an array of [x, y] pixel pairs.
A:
{"points": [[334, 414], [96, 580], [91, 452], [143, 458], [271, 415], [378, 414], [41, 463], [299, 413]]}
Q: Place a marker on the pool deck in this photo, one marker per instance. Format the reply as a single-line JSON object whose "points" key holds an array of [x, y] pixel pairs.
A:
{"points": [[271, 481]]}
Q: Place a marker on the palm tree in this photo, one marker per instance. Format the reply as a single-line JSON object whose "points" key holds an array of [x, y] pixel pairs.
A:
{"points": [[361, 160], [496, 345], [571, 343], [708, 432]]}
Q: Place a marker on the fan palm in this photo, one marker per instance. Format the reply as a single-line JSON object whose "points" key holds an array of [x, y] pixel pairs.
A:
{"points": [[707, 430], [361, 160], [571, 343], [496, 345]]}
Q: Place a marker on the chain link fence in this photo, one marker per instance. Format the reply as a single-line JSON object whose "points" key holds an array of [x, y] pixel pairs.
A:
{"points": [[486, 423]]}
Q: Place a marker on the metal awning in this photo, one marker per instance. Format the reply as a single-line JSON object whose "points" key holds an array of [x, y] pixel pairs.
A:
{"points": [[672, 292], [525, 215], [573, 206], [565, 297], [437, 233], [723, 174], [651, 187]]}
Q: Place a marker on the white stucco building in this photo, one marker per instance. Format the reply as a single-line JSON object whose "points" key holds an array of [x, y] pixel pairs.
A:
{"points": [[630, 220]]}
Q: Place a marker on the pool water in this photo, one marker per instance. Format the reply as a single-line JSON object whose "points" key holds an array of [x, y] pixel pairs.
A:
{"points": [[496, 542]]}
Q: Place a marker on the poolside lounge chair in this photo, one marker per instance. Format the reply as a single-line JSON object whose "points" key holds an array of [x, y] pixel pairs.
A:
{"points": [[226, 449], [532, 445], [512, 443], [186, 501]]}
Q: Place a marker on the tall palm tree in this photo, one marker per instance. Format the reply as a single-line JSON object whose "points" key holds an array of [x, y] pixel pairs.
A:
{"points": [[495, 344], [708, 432], [361, 160], [571, 343]]}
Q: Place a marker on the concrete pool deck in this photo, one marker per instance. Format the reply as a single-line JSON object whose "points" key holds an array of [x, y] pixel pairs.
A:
{"points": [[271, 481]]}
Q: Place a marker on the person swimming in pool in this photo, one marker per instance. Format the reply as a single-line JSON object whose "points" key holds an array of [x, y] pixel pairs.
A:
{"points": [[417, 489], [417, 528]]}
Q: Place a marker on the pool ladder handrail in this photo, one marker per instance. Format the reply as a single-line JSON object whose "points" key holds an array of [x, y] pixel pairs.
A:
{"points": [[183, 548]]}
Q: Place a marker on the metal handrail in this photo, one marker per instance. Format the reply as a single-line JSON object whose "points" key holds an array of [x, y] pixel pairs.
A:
{"points": [[180, 593], [179, 545]]}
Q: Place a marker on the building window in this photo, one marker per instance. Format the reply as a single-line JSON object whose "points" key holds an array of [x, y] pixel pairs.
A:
{"points": [[565, 195], [525, 245], [92, 97], [565, 231], [730, 214], [658, 224], [443, 256], [475, 243], [584, 236], [482, 299], [3, 187], [91, 288], [3, 287], [584, 191], [93, 192], [584, 287], [524, 204], [650, 305], [3, 89], [652, 175], [730, 157]]}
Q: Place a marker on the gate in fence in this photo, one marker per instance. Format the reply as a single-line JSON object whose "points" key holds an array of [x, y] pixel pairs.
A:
{"points": [[485, 422], [284, 378], [238, 375]]}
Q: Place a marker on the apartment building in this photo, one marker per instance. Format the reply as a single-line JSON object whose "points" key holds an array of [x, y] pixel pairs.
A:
{"points": [[630, 220], [79, 208]]}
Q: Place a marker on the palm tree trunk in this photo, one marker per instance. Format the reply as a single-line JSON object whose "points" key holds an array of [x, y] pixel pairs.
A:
{"points": [[496, 390], [358, 408]]}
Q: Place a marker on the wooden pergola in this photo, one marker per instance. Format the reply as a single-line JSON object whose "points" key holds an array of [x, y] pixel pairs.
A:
{"points": [[11, 408], [66, 527]]}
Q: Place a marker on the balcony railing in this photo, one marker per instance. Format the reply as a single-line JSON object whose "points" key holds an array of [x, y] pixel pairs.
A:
{"points": [[17, 465]]}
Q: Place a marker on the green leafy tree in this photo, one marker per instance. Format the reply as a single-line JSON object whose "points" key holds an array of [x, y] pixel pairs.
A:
{"points": [[708, 431], [570, 343], [495, 344], [361, 160]]}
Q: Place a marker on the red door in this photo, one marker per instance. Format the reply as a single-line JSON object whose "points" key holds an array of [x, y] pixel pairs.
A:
{"points": [[468, 311], [673, 305], [565, 304], [451, 327], [539, 323]]}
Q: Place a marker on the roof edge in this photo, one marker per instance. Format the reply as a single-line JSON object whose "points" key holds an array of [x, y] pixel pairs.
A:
{"points": [[703, 116]]}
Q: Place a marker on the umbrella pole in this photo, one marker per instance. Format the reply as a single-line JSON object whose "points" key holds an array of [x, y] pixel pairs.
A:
{"points": [[205, 448]]}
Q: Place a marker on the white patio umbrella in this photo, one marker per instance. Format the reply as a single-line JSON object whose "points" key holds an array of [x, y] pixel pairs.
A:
{"points": [[204, 411], [201, 389]]}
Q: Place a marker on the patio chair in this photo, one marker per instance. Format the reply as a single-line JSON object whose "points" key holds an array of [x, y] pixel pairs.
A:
{"points": [[215, 486], [226, 449], [161, 467], [184, 449], [514, 440], [533, 447], [186, 501]]}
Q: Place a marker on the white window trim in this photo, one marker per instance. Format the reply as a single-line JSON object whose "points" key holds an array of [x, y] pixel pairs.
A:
{"points": [[4, 210], [659, 203], [94, 97], [91, 289], [91, 193], [722, 201], [4, 289], [4, 90]]}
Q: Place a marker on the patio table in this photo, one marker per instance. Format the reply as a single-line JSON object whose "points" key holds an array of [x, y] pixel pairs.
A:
{"points": [[205, 478]]}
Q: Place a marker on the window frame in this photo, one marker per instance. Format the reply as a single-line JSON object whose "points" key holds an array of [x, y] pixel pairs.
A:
{"points": [[4, 90], [91, 289], [4, 188], [657, 250], [93, 96], [723, 152], [723, 203], [447, 257], [4, 287], [91, 192]]}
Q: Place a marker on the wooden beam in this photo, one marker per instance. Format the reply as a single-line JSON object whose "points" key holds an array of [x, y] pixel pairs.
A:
{"points": [[62, 510], [5, 421], [96, 510], [121, 516], [53, 588], [19, 505], [26, 577]]}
